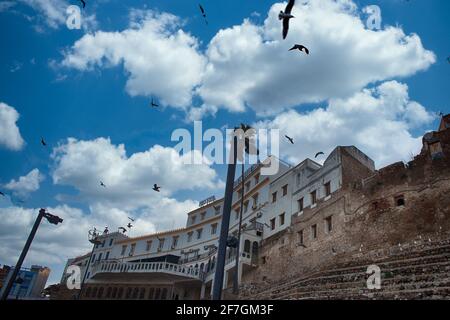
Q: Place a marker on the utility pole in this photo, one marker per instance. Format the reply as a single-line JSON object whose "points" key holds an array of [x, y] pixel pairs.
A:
{"points": [[42, 214], [221, 252], [94, 240], [236, 273]]}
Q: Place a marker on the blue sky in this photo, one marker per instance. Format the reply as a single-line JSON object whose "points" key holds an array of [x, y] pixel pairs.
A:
{"points": [[381, 94]]}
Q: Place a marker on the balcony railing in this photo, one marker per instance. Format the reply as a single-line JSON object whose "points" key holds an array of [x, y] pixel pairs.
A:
{"points": [[147, 267]]}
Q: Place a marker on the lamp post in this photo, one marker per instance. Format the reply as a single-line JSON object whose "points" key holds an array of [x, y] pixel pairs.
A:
{"points": [[93, 238], [42, 214], [236, 273]]}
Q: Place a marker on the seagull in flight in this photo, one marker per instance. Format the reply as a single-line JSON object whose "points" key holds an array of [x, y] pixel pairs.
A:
{"points": [[129, 225], [102, 184], [286, 16], [83, 3], [2, 194], [153, 104], [203, 12], [156, 188], [43, 142], [291, 140], [319, 153], [300, 48], [123, 229], [132, 219]]}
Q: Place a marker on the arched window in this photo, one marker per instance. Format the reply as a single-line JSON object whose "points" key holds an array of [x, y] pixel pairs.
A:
{"points": [[135, 293], [247, 246], [202, 267], [128, 294], [255, 252], [120, 293], [157, 294], [164, 294], [142, 293], [100, 293], [151, 293], [114, 293], [108, 292], [94, 292], [88, 292]]}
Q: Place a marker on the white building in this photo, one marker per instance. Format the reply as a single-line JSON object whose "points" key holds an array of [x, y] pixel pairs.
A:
{"points": [[180, 264]]}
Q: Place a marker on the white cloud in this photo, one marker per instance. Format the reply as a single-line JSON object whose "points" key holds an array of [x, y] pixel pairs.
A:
{"points": [[250, 65], [159, 57], [9, 132], [379, 121], [129, 180], [26, 184]]}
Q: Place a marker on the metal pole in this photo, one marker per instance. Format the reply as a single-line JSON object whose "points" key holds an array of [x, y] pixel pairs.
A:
{"points": [[18, 265], [221, 252], [236, 274], [86, 272]]}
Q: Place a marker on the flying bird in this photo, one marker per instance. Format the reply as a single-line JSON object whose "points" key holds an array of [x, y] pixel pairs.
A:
{"points": [[286, 16], [156, 188], [318, 154], [102, 184], [291, 140], [2, 194], [153, 104], [132, 219], [123, 229], [83, 3], [129, 226], [300, 48], [43, 142], [203, 12]]}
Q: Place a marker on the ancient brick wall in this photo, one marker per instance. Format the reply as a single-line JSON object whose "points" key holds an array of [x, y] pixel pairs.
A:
{"points": [[394, 206]]}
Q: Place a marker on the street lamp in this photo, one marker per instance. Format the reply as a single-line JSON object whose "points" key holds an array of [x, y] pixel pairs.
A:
{"points": [[42, 214], [93, 238]]}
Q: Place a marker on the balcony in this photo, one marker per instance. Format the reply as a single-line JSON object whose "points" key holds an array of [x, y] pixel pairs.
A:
{"points": [[108, 267]]}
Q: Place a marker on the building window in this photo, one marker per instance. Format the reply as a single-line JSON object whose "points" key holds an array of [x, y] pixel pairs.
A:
{"points": [[272, 224], [107, 256], [100, 256], [314, 232], [255, 201], [214, 228], [199, 234], [300, 237], [400, 201], [133, 247], [193, 218], [239, 192], [327, 189], [103, 243], [161, 244], [274, 196], [111, 242], [300, 205], [174, 242], [328, 224], [247, 186], [238, 212], [202, 216], [189, 239], [313, 197], [245, 206], [299, 176], [256, 179], [149, 245], [285, 189], [217, 210], [282, 216]]}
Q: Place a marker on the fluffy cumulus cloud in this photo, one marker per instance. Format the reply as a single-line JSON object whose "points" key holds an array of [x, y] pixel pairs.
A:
{"points": [[250, 65], [10, 137], [379, 121], [159, 57], [26, 184]]}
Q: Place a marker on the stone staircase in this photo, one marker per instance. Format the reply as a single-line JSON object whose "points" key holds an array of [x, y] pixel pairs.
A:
{"points": [[416, 271]]}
